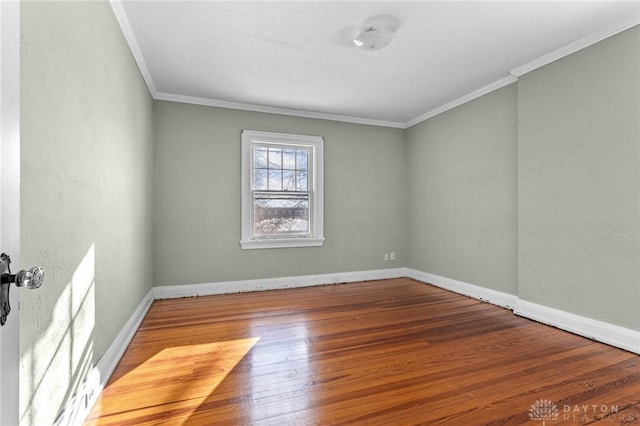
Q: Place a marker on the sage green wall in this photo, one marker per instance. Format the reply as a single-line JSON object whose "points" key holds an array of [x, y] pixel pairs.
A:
{"points": [[86, 195], [462, 183], [558, 152], [579, 175], [197, 207]]}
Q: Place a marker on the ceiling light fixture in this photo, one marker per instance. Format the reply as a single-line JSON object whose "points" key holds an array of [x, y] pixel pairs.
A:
{"points": [[376, 32], [372, 38]]}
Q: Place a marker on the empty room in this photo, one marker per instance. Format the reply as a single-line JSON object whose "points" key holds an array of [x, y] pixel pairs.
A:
{"points": [[319, 213]]}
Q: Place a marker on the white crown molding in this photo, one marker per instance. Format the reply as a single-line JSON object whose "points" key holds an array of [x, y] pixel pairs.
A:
{"points": [[512, 78], [576, 46], [498, 298], [275, 110], [530, 66], [227, 287], [514, 74], [462, 100], [121, 16], [600, 331]]}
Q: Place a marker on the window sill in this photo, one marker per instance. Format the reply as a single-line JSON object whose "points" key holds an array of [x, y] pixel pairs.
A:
{"points": [[282, 243]]}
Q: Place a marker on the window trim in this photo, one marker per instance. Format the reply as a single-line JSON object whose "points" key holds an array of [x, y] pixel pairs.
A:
{"points": [[316, 143]]}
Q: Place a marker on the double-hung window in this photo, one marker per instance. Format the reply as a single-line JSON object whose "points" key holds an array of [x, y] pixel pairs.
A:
{"points": [[282, 190]]}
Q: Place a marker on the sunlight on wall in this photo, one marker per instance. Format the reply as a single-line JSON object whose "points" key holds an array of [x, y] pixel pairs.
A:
{"points": [[55, 366], [176, 379]]}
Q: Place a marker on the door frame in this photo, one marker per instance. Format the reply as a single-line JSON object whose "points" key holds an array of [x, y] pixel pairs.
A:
{"points": [[10, 201]]}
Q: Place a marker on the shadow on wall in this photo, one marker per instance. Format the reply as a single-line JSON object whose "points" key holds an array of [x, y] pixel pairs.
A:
{"points": [[58, 362]]}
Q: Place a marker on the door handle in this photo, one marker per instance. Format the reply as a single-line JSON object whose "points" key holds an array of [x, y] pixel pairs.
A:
{"points": [[31, 278]]}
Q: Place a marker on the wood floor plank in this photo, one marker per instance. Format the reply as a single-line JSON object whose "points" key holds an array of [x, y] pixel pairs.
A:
{"points": [[390, 352]]}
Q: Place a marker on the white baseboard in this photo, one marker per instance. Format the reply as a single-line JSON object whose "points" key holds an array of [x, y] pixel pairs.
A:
{"points": [[78, 408], [112, 356], [611, 334], [494, 297], [225, 287]]}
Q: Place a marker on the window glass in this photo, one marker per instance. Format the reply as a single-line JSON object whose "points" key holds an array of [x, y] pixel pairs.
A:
{"points": [[281, 203]]}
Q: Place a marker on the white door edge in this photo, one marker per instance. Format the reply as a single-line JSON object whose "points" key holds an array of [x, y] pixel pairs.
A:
{"points": [[10, 201]]}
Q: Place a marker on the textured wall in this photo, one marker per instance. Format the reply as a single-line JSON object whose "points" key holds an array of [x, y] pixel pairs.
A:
{"points": [[197, 209], [108, 214], [86, 195], [462, 192], [579, 175]]}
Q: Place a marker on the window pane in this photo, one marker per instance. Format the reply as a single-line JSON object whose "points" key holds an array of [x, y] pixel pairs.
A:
{"points": [[260, 179], [301, 181], [282, 202], [281, 214], [289, 159], [288, 180], [275, 158], [275, 180], [302, 159], [260, 157]]}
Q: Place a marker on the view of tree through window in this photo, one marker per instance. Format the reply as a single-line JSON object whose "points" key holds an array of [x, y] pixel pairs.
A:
{"points": [[282, 201], [281, 190]]}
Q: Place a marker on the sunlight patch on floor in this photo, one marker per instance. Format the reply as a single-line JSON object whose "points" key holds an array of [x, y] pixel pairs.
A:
{"points": [[170, 384]]}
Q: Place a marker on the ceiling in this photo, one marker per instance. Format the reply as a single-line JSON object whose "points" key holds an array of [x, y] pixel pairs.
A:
{"points": [[298, 57]]}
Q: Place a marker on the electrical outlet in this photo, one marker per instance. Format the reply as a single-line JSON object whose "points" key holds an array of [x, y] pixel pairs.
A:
{"points": [[386, 257], [392, 255], [88, 398]]}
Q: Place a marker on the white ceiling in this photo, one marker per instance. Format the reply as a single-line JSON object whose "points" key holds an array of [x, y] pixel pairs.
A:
{"points": [[297, 57]]}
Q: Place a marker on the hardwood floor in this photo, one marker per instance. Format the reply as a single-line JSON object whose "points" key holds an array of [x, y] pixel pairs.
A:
{"points": [[390, 352]]}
